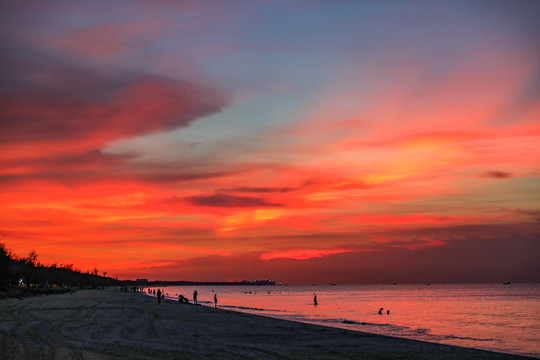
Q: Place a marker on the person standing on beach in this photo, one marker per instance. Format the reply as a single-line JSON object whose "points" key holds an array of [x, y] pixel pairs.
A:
{"points": [[314, 299], [159, 296], [215, 301], [195, 297]]}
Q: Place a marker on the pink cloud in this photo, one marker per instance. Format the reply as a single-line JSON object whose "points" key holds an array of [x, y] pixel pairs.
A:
{"points": [[88, 108]]}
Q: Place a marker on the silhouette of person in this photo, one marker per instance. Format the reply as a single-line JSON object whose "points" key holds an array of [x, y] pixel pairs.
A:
{"points": [[159, 296], [215, 301], [380, 311], [195, 297], [314, 299], [387, 312]]}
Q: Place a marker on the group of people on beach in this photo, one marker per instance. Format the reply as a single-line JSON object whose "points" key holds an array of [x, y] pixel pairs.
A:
{"points": [[129, 289], [160, 295], [184, 300], [181, 298]]}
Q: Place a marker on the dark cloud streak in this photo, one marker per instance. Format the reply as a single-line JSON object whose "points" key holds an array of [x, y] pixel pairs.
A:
{"points": [[247, 189], [251, 189], [496, 174], [220, 200]]}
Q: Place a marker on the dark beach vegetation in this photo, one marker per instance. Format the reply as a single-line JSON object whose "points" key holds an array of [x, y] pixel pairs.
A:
{"points": [[25, 276]]}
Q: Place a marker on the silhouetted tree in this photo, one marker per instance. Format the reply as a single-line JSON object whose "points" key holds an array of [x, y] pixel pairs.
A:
{"points": [[5, 266], [32, 258], [14, 268]]}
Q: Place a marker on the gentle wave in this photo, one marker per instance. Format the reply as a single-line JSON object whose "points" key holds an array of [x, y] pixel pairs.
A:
{"points": [[390, 329], [248, 308]]}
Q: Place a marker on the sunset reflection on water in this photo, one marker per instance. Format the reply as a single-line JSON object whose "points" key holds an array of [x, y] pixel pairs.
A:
{"points": [[470, 315]]}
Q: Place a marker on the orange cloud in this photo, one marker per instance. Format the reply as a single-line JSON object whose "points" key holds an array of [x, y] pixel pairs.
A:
{"points": [[302, 254]]}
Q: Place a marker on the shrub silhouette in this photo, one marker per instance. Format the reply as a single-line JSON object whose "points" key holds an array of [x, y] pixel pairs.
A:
{"points": [[27, 271]]}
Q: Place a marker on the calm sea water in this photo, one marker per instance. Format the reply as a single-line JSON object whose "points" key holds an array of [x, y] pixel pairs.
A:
{"points": [[497, 317]]}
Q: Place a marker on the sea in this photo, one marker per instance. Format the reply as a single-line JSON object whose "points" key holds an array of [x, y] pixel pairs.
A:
{"points": [[498, 317]]}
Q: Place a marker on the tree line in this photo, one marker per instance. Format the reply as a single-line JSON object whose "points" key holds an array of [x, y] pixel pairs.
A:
{"points": [[28, 272]]}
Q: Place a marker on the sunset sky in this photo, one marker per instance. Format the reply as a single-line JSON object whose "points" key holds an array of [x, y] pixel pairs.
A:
{"points": [[301, 141]]}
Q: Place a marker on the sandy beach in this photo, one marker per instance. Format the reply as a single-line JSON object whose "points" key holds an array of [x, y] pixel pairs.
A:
{"points": [[93, 324]]}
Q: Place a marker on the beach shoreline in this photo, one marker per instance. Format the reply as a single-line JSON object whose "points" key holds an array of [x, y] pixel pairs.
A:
{"points": [[96, 324]]}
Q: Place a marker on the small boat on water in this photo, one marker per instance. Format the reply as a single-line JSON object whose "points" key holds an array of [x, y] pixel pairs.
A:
{"points": [[506, 283]]}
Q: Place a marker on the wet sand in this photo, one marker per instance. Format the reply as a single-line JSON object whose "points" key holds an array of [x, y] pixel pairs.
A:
{"points": [[92, 324]]}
